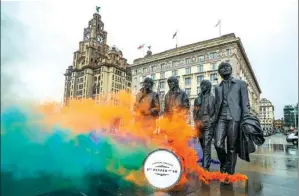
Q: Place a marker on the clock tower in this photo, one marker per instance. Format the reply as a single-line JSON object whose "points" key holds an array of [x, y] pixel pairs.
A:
{"points": [[97, 68], [94, 45]]}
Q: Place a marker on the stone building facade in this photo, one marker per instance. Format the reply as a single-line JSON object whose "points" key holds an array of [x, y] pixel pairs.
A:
{"points": [[278, 123], [266, 114], [97, 69], [195, 62], [290, 114]]}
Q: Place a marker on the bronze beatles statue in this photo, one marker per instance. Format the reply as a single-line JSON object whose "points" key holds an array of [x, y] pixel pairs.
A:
{"points": [[147, 105], [176, 100], [225, 116], [203, 115], [232, 104]]}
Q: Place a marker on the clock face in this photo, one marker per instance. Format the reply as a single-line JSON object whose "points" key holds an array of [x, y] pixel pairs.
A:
{"points": [[100, 39]]}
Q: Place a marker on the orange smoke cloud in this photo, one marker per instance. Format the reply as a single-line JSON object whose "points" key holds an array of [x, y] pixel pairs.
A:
{"points": [[81, 116]]}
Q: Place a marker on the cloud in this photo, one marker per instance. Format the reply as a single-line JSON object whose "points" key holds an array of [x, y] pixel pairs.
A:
{"points": [[268, 30], [11, 56]]}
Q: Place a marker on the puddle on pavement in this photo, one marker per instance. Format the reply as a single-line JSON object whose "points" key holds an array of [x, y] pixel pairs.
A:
{"points": [[285, 148]]}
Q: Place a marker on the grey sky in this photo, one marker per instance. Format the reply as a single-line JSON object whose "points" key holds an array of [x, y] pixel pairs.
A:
{"points": [[38, 38]]}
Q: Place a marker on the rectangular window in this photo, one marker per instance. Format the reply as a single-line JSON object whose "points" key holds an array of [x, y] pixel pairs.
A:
{"points": [[174, 72], [200, 68], [213, 55], [201, 58], [154, 86], [153, 76], [188, 61], [188, 70], [163, 66], [79, 92], [213, 77], [199, 79], [154, 68], [227, 52], [161, 94], [213, 66], [80, 86], [198, 90], [162, 85], [213, 89], [144, 70], [188, 91], [188, 81], [162, 75]]}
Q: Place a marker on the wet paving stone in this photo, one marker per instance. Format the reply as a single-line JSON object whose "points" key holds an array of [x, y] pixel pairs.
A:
{"points": [[273, 171]]}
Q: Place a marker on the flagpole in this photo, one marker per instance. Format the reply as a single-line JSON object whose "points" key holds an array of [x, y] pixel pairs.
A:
{"points": [[219, 28], [176, 39]]}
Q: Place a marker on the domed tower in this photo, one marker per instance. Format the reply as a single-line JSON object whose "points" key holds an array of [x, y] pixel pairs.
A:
{"points": [[116, 57], [97, 69]]}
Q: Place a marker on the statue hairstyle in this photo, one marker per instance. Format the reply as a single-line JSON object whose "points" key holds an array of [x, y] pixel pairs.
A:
{"points": [[150, 80], [223, 64], [208, 83], [173, 79]]}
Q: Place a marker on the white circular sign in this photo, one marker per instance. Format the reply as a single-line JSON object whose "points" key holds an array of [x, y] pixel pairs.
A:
{"points": [[162, 169]]}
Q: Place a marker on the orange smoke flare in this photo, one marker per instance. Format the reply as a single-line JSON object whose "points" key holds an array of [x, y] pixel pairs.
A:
{"points": [[85, 115]]}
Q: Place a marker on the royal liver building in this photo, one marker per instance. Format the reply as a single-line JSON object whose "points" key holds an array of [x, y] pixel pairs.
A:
{"points": [[97, 69]]}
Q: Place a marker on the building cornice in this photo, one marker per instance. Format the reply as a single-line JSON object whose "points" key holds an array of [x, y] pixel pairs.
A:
{"points": [[248, 63], [225, 39], [98, 66]]}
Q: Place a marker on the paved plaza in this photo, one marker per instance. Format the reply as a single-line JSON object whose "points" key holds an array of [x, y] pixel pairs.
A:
{"points": [[273, 170]]}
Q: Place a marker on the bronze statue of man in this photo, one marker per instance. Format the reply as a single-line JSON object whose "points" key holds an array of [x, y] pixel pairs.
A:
{"points": [[203, 115], [176, 100], [147, 105], [232, 103]]}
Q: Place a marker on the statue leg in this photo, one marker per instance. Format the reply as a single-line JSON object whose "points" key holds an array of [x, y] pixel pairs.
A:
{"points": [[208, 135], [202, 144], [232, 135], [220, 135]]}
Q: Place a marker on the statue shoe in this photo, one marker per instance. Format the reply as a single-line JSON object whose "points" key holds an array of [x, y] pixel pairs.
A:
{"points": [[222, 169], [226, 182]]}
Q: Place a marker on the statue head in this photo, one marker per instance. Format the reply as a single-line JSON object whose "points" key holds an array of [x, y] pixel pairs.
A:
{"points": [[173, 82], [205, 86], [148, 84], [225, 70]]}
